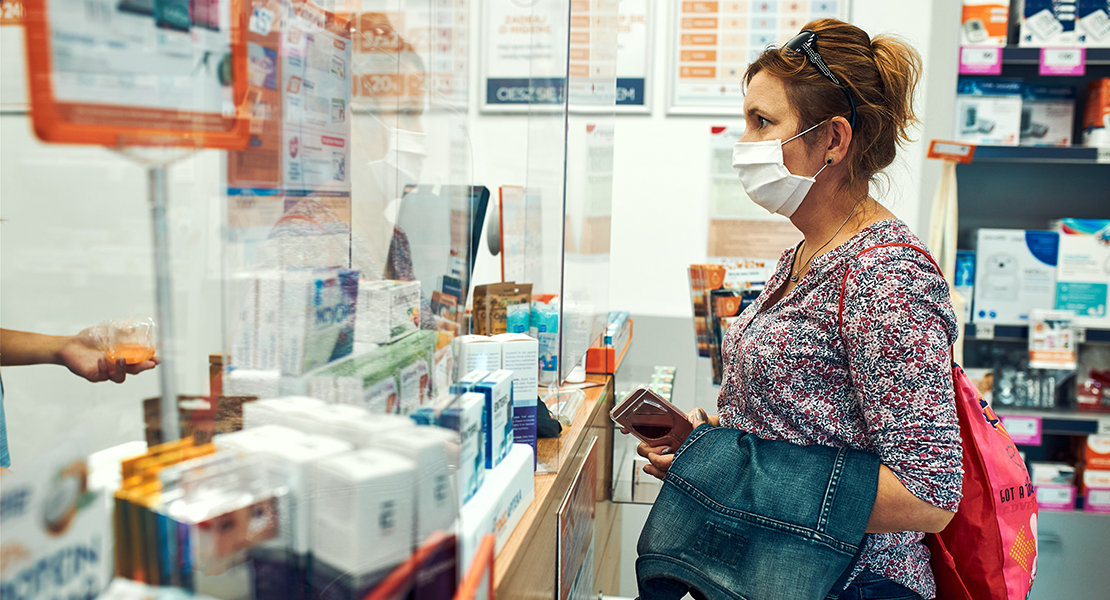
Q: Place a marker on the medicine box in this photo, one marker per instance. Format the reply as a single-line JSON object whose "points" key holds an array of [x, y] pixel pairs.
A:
{"points": [[1044, 473], [1047, 23], [520, 354], [1097, 500], [434, 496], [476, 353], [467, 382], [988, 111], [1096, 115], [1097, 453], [1047, 115], [465, 416], [984, 22], [1015, 272], [497, 391], [1083, 274], [1056, 497], [1092, 25], [1096, 478], [964, 282]]}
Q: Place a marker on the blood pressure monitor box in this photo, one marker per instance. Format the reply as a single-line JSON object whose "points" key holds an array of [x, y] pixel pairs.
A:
{"points": [[984, 22], [1083, 274], [1048, 23], [1015, 272], [1047, 115], [1092, 25], [988, 111]]}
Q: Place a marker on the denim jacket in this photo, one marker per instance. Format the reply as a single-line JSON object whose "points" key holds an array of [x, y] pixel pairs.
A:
{"points": [[752, 519]]}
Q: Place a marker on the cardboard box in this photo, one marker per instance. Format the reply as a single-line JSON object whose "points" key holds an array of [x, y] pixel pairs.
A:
{"points": [[497, 422], [1097, 500], [521, 355], [984, 23], [1096, 478], [465, 416], [1092, 23], [1045, 473], [476, 353], [1047, 23], [1015, 272], [1096, 455], [1083, 272], [1047, 115], [988, 111], [435, 501]]}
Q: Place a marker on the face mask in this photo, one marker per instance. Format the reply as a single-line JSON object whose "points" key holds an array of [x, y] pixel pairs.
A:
{"points": [[765, 177]]}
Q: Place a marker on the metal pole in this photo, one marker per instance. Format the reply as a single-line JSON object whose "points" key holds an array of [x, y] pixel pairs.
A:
{"points": [[163, 296]]}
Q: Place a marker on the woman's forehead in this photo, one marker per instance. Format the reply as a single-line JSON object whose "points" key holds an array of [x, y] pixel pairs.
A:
{"points": [[766, 93]]}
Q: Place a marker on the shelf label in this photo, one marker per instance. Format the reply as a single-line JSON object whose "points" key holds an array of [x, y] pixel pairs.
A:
{"points": [[1064, 61], [1024, 431], [955, 151], [1103, 155], [984, 331], [1104, 425], [980, 61]]}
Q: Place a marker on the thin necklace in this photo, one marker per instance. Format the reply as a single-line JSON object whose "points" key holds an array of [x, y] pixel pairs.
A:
{"points": [[794, 275]]}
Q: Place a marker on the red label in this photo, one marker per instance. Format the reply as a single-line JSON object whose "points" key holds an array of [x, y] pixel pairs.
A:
{"points": [[333, 141]]}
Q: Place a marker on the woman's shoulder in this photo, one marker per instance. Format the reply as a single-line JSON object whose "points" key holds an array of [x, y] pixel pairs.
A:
{"points": [[890, 244]]}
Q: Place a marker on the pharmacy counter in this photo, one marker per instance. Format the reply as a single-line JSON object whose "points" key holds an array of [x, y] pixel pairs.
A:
{"points": [[526, 566]]}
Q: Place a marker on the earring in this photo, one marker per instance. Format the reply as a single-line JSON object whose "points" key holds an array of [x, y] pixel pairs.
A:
{"points": [[828, 161]]}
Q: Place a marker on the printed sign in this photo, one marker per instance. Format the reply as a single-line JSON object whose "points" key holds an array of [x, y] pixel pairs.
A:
{"points": [[1070, 62], [1024, 431], [635, 25], [975, 60], [523, 55]]}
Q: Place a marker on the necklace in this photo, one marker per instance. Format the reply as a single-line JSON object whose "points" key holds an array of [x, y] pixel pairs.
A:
{"points": [[794, 275]]}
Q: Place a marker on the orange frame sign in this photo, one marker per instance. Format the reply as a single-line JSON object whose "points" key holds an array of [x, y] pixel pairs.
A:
{"points": [[85, 121]]}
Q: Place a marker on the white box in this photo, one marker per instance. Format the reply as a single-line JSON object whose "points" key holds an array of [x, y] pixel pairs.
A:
{"points": [[1092, 27], [476, 353], [1047, 23], [466, 416], [521, 355], [244, 346], [268, 354], [984, 23], [375, 301], [1094, 478], [251, 382], [1015, 272], [404, 313], [1047, 115], [988, 111], [364, 521], [497, 390], [498, 506], [276, 411], [1083, 272], [434, 495], [1043, 473], [467, 382], [313, 314]]}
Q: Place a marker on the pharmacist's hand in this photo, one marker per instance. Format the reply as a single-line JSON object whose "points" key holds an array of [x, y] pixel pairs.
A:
{"points": [[659, 457], [84, 357]]}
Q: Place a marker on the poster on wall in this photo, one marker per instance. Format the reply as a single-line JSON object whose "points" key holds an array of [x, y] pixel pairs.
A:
{"points": [[13, 77], [635, 25], [523, 56], [576, 521], [592, 55], [712, 44], [739, 229]]}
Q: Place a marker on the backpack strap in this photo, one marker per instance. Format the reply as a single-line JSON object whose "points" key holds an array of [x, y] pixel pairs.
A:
{"points": [[844, 282]]}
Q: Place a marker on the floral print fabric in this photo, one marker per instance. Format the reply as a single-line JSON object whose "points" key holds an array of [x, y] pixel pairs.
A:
{"points": [[882, 383]]}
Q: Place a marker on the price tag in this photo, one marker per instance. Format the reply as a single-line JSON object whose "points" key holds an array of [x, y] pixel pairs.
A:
{"points": [[1064, 61], [1024, 431], [980, 61], [984, 331], [1103, 155], [1104, 425]]}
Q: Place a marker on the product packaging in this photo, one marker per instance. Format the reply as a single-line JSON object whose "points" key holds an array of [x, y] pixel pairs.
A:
{"points": [[964, 282], [243, 288], [317, 310], [984, 23], [1092, 27], [500, 298], [544, 326], [1096, 478], [270, 322], [1052, 339], [520, 354], [404, 307], [363, 527], [1097, 500], [434, 493], [251, 382], [394, 378], [1093, 378], [497, 422], [1047, 23], [375, 309], [465, 416], [1047, 115], [984, 382], [988, 111], [1096, 115], [1015, 272], [467, 382], [1044, 473], [1097, 453], [476, 353], [1056, 497], [499, 505], [130, 339], [1083, 274]]}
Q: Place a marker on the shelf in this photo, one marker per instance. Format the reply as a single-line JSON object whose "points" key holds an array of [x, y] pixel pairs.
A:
{"points": [[1013, 55], [1021, 333], [1041, 154], [1061, 422]]}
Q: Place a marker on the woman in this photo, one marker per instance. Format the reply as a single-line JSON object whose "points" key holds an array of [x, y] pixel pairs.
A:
{"points": [[878, 380]]}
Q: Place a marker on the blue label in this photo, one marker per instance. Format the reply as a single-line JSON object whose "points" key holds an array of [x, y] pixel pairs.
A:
{"points": [[524, 91], [1086, 299], [1043, 245], [630, 92]]}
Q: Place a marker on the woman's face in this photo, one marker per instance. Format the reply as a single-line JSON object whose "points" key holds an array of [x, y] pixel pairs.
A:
{"points": [[769, 116]]}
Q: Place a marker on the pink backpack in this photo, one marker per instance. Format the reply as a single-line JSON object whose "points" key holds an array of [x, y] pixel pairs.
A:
{"points": [[989, 549]]}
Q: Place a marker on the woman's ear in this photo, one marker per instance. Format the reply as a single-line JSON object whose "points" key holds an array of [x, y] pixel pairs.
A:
{"points": [[840, 138]]}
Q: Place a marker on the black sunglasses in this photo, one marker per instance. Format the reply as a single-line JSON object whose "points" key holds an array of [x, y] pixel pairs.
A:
{"points": [[806, 43]]}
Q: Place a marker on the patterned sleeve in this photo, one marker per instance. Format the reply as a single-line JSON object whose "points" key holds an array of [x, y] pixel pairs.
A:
{"points": [[898, 327]]}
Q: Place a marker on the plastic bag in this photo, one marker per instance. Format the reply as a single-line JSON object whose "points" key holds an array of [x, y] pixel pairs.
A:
{"points": [[129, 338]]}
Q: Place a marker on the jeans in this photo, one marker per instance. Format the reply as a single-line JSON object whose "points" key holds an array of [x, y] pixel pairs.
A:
{"points": [[869, 586]]}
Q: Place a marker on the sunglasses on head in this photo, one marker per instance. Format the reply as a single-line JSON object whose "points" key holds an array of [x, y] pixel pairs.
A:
{"points": [[806, 43]]}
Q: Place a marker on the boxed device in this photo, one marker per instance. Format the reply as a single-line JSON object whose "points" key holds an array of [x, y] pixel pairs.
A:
{"points": [[984, 23], [497, 422], [1096, 115], [520, 354], [1047, 23], [1092, 26], [988, 111], [1047, 115], [1015, 272], [1083, 273]]}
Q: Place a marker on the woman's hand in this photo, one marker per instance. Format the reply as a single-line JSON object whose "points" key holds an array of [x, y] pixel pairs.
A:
{"points": [[83, 357], [660, 457]]}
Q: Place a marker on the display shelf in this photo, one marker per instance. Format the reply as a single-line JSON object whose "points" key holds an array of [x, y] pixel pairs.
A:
{"points": [[1021, 333], [1042, 154], [1013, 55], [1061, 422]]}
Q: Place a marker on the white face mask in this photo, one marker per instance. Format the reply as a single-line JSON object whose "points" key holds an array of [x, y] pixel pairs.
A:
{"points": [[765, 177]]}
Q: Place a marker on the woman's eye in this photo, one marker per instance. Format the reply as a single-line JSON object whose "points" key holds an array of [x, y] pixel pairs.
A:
{"points": [[762, 122]]}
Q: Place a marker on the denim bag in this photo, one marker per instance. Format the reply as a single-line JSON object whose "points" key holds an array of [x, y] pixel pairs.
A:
{"points": [[752, 519]]}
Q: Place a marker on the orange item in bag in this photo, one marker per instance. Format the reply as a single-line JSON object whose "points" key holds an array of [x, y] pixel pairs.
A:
{"points": [[132, 353]]}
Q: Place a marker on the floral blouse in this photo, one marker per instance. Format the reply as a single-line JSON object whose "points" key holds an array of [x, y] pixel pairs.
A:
{"points": [[882, 384]]}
